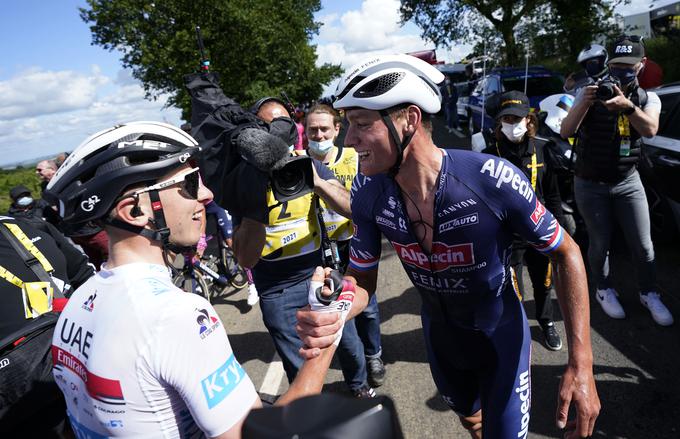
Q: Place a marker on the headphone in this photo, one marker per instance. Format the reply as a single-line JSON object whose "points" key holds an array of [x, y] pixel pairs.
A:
{"points": [[257, 105]]}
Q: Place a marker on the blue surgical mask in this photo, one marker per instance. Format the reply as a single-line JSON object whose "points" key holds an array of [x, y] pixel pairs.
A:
{"points": [[24, 201], [321, 148], [626, 76]]}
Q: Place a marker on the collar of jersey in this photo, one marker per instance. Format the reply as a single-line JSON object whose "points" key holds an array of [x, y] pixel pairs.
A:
{"points": [[135, 269]]}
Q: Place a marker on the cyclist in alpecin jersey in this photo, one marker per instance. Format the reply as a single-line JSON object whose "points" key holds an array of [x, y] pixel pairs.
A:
{"points": [[451, 217], [471, 313]]}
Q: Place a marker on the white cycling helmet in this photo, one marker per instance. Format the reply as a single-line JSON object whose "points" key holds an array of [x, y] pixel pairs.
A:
{"points": [[383, 81], [557, 106]]}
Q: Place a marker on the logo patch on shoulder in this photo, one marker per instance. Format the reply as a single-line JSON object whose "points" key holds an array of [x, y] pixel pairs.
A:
{"points": [[538, 212]]}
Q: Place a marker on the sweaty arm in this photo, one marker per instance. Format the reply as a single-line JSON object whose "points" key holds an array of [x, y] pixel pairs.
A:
{"points": [[331, 190], [249, 239], [530, 219]]}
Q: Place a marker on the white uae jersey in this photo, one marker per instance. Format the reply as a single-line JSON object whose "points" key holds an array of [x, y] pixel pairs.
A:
{"points": [[136, 356]]}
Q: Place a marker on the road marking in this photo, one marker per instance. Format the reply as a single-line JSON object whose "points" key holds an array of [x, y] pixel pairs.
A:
{"points": [[272, 379]]}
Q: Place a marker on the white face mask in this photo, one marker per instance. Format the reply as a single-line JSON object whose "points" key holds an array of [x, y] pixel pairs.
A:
{"points": [[320, 148], [514, 131], [24, 201]]}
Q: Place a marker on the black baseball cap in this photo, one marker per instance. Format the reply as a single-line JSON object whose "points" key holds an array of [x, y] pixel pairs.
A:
{"points": [[627, 49], [512, 102], [17, 191]]}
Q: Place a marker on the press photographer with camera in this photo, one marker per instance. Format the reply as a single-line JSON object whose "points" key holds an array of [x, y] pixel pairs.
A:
{"points": [[283, 252], [609, 118]]}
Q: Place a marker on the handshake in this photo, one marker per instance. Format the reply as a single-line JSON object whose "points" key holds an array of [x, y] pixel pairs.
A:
{"points": [[330, 293]]}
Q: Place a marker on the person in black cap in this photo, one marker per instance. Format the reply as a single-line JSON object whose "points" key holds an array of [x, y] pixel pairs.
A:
{"points": [[24, 206], [516, 141], [607, 185]]}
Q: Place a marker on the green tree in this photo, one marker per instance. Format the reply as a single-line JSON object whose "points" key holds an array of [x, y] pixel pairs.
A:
{"points": [[449, 21], [258, 47], [552, 32]]}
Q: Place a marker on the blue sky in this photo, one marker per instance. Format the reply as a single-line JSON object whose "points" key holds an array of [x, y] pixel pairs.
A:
{"points": [[56, 88]]}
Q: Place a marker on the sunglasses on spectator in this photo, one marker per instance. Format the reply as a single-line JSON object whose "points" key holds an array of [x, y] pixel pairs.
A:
{"points": [[632, 38], [189, 181]]}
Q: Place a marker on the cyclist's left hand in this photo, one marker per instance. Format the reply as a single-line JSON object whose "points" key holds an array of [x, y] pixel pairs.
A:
{"points": [[578, 386]]}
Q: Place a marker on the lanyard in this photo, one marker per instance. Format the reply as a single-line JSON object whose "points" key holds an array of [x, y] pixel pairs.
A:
{"points": [[534, 165], [28, 244]]}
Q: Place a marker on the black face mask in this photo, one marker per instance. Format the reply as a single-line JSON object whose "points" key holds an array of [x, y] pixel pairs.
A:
{"points": [[285, 129], [626, 76], [595, 67]]}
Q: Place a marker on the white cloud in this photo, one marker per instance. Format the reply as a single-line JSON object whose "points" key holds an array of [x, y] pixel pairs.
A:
{"points": [[372, 29], [35, 92], [48, 112]]}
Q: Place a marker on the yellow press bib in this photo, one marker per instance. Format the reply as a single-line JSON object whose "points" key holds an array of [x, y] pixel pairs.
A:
{"points": [[345, 166], [292, 229]]}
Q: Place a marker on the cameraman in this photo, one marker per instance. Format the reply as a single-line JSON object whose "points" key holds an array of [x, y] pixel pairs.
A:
{"points": [[283, 254], [607, 185]]}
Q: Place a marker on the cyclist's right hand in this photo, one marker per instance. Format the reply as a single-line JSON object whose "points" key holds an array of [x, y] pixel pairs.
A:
{"points": [[317, 330]]}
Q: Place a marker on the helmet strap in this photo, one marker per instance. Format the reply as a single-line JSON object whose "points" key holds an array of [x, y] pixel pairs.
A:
{"points": [[162, 232], [401, 143]]}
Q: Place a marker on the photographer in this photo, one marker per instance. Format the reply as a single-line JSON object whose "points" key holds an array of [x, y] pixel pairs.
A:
{"points": [[609, 119], [283, 254]]}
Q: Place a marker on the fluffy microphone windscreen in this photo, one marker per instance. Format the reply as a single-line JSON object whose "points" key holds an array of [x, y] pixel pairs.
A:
{"points": [[260, 149]]}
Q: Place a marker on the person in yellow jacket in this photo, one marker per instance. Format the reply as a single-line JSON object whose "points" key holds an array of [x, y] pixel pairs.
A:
{"points": [[322, 127]]}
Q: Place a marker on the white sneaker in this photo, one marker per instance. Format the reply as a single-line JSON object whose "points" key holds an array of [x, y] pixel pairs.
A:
{"points": [[660, 314], [610, 304], [253, 297]]}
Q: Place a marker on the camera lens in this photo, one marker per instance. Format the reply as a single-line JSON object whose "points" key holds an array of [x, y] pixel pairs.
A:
{"points": [[289, 180]]}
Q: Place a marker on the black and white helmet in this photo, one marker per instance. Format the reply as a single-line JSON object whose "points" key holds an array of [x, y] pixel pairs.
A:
{"points": [[593, 58], [97, 172], [383, 81]]}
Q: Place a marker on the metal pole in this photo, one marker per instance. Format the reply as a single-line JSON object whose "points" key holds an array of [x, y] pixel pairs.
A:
{"points": [[483, 91], [526, 72]]}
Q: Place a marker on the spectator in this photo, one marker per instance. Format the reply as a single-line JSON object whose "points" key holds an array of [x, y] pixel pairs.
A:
{"points": [[45, 171], [283, 254], [322, 129], [516, 142], [450, 104]]}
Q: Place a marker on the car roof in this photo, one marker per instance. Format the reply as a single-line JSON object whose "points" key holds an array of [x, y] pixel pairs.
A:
{"points": [[673, 87]]}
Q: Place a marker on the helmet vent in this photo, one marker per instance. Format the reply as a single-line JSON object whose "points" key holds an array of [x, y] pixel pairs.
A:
{"points": [[380, 85]]}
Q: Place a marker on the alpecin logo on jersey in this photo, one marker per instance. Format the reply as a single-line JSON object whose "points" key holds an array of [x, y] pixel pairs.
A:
{"points": [[503, 173], [443, 256], [206, 322], [538, 212]]}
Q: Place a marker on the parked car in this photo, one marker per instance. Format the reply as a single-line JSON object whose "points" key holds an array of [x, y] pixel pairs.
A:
{"points": [[540, 83], [660, 166]]}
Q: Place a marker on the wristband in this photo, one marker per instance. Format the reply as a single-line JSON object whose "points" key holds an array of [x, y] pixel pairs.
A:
{"points": [[630, 110], [340, 300]]}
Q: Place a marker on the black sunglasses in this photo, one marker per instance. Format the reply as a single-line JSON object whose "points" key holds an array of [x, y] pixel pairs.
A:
{"points": [[632, 38], [189, 182]]}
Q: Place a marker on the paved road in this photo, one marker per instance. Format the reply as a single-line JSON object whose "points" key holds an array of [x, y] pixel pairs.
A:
{"points": [[636, 362]]}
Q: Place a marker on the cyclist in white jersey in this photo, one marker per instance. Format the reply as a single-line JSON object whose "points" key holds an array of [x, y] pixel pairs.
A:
{"points": [[134, 355]]}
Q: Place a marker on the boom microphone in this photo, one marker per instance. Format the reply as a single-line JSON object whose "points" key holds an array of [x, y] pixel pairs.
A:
{"points": [[261, 149]]}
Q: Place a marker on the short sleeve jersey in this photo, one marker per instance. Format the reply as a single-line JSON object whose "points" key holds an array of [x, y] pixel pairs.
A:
{"points": [[136, 356], [481, 201]]}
